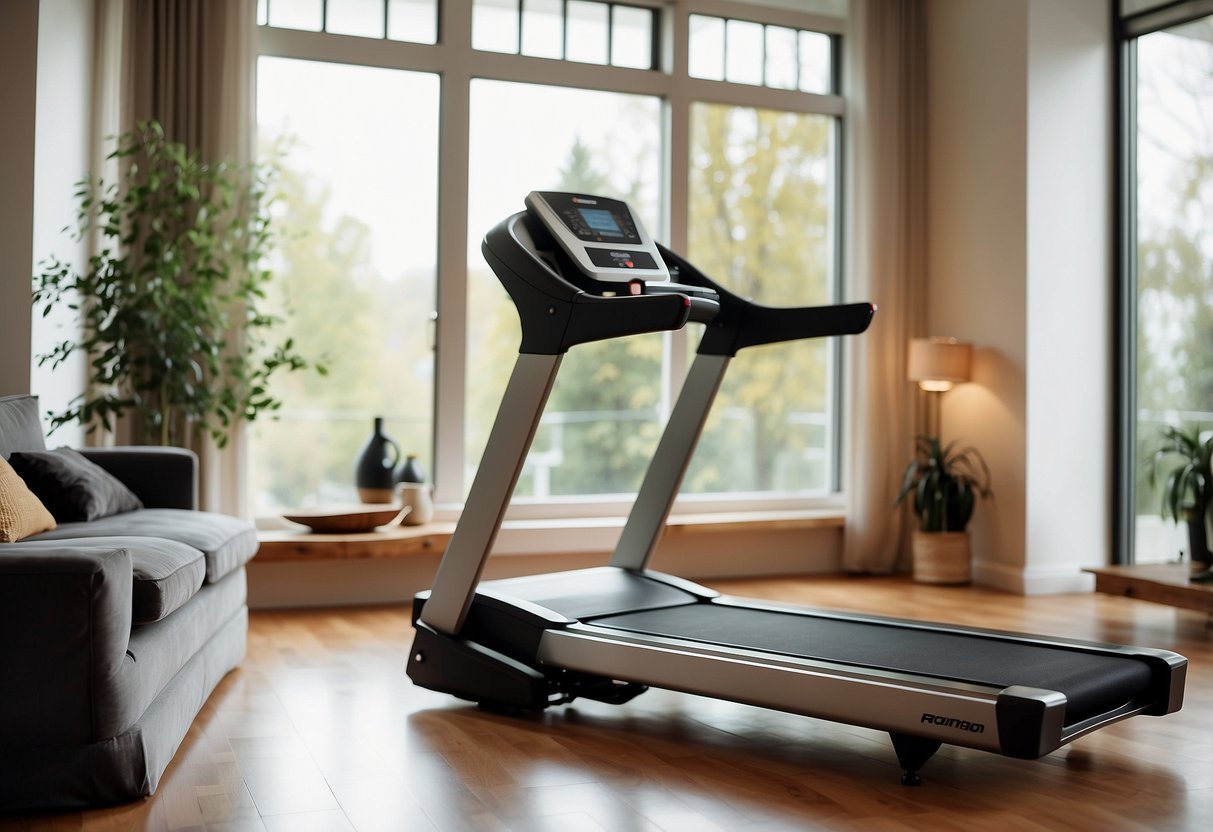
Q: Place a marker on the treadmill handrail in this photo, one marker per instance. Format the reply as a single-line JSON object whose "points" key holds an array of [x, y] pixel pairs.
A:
{"points": [[743, 323], [557, 315]]}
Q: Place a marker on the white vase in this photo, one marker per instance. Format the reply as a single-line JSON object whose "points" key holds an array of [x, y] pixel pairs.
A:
{"points": [[417, 495]]}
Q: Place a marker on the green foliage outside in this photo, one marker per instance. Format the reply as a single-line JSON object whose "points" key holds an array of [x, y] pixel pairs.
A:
{"points": [[172, 305], [1174, 250], [372, 331], [761, 224]]}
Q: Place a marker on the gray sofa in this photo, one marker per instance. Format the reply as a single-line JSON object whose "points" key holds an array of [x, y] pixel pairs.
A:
{"points": [[113, 632]]}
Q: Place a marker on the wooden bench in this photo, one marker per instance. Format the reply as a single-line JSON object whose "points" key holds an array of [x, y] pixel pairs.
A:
{"points": [[1162, 583]]}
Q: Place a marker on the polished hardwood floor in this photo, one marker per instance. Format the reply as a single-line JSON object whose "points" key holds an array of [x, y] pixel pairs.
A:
{"points": [[321, 730]]}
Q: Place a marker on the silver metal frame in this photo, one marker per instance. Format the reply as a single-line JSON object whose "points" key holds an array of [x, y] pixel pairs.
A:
{"points": [[472, 542], [647, 520]]}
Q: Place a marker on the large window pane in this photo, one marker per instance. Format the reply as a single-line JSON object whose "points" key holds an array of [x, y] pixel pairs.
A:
{"points": [[604, 415], [1174, 183], [762, 223], [358, 149]]}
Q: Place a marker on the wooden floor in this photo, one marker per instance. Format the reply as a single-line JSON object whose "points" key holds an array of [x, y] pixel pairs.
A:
{"points": [[321, 730]]}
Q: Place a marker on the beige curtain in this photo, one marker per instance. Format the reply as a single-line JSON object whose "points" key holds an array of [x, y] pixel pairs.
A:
{"points": [[190, 65], [887, 104]]}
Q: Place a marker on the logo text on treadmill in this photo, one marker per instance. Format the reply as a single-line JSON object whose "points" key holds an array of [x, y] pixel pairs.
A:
{"points": [[950, 722]]}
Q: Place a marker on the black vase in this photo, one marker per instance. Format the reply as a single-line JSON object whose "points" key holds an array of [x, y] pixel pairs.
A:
{"points": [[411, 470], [376, 464]]}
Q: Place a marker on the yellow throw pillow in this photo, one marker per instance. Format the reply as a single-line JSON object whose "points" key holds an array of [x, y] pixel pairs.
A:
{"points": [[21, 513]]}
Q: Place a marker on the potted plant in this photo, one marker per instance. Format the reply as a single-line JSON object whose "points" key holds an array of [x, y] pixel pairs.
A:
{"points": [[1187, 487], [171, 327], [945, 483]]}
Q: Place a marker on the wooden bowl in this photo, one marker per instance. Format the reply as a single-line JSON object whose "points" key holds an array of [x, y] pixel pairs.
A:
{"points": [[350, 520]]}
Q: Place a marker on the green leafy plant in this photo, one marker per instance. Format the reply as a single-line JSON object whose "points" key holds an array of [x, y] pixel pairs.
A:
{"points": [[1187, 484], [171, 327], [946, 483]]}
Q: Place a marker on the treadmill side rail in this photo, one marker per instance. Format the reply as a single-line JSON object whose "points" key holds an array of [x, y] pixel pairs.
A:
{"points": [[955, 713]]}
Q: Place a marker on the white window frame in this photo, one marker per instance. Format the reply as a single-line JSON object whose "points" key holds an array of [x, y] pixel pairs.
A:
{"points": [[456, 63]]}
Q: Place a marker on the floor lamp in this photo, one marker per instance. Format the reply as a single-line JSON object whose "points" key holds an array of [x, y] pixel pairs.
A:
{"points": [[937, 364]]}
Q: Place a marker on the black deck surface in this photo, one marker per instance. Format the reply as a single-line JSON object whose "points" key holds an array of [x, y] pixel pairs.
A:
{"points": [[1092, 684]]}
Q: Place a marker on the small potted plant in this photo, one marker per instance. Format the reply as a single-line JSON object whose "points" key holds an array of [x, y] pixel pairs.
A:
{"points": [[1187, 487], [945, 483]]}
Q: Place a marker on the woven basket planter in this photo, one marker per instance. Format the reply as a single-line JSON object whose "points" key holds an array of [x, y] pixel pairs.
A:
{"points": [[942, 557]]}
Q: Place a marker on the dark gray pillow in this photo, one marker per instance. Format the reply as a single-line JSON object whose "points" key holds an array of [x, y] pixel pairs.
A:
{"points": [[73, 488]]}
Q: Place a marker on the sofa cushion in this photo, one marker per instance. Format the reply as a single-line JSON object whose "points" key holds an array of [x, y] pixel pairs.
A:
{"points": [[226, 542], [72, 487], [20, 429], [164, 573], [21, 513]]}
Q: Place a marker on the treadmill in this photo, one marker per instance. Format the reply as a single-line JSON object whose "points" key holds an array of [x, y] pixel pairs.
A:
{"points": [[582, 268]]}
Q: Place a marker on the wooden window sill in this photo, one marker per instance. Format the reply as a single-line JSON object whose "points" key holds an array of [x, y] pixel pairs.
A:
{"points": [[432, 538]]}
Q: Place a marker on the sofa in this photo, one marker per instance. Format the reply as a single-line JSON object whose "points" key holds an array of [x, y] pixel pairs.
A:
{"points": [[113, 631]]}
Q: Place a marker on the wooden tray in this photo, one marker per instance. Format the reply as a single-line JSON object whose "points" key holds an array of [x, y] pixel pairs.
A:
{"points": [[348, 520]]}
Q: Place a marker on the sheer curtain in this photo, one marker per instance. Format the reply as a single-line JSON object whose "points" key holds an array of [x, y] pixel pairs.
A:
{"points": [[887, 128], [190, 65]]}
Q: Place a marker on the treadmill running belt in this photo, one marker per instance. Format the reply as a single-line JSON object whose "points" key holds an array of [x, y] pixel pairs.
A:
{"points": [[1092, 684]]}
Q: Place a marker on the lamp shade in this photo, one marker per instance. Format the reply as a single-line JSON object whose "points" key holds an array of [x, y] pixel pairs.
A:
{"points": [[938, 363]]}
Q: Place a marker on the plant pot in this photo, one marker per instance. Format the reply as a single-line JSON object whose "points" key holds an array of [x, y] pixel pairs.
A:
{"points": [[941, 557], [1199, 556]]}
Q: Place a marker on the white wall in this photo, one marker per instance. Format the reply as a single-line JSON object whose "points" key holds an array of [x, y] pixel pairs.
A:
{"points": [[976, 255], [1018, 262], [61, 158], [1069, 291], [18, 69]]}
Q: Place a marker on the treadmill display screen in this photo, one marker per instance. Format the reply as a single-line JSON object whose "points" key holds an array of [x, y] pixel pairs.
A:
{"points": [[594, 219], [600, 221]]}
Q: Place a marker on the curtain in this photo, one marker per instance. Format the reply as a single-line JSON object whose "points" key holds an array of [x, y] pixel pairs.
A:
{"points": [[887, 130], [190, 65]]}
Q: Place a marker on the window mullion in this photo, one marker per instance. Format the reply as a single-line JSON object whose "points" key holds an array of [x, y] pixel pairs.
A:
{"points": [[451, 359]]}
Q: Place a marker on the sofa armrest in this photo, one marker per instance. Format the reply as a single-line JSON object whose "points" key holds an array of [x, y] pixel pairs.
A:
{"points": [[65, 624], [160, 477]]}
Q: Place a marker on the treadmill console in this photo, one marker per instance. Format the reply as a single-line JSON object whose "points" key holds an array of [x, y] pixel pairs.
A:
{"points": [[602, 236]]}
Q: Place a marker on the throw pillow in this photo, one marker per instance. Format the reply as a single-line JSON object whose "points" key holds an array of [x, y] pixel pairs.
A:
{"points": [[73, 487], [21, 513]]}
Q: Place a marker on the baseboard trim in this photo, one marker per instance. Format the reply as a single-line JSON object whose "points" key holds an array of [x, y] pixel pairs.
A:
{"points": [[1044, 580]]}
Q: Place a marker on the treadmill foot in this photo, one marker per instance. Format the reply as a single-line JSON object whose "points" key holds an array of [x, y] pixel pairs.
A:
{"points": [[912, 754]]}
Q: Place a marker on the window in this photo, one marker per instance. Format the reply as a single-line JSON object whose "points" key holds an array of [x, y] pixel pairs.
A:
{"points": [[762, 222], [1167, 363], [606, 410], [753, 53], [403, 20], [382, 222], [356, 261], [588, 31]]}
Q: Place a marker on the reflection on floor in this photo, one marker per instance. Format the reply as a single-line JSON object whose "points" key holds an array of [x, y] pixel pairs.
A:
{"points": [[321, 730]]}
